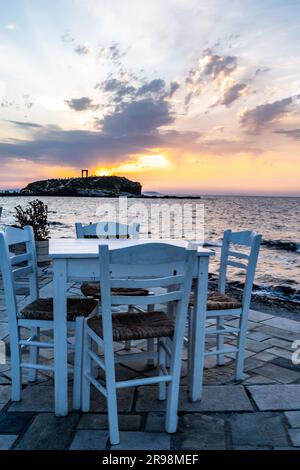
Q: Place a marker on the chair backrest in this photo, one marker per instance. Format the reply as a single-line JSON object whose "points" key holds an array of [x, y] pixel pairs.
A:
{"points": [[231, 256], [150, 265], [18, 259], [107, 230]]}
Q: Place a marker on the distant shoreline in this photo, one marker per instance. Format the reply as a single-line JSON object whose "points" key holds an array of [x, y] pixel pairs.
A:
{"points": [[96, 196]]}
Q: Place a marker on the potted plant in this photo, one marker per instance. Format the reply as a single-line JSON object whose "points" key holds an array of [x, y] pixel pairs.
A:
{"points": [[36, 215]]}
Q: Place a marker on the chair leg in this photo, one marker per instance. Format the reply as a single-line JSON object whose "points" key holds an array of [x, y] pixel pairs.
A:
{"points": [[173, 386], [112, 406], [172, 399], [190, 342], [86, 385], [16, 375], [162, 362], [150, 341], [241, 346], [220, 341], [79, 323], [33, 354]]}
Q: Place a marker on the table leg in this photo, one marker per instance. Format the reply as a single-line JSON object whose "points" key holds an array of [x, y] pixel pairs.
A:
{"points": [[60, 337], [199, 316]]}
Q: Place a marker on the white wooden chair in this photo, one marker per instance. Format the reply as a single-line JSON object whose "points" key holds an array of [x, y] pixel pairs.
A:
{"points": [[151, 265], [107, 230], [37, 314], [222, 306], [111, 230]]}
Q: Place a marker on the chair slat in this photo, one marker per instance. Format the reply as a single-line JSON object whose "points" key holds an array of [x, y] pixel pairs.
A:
{"points": [[17, 259], [146, 299], [107, 230], [238, 254], [235, 264], [21, 271], [242, 238], [15, 235], [140, 283]]}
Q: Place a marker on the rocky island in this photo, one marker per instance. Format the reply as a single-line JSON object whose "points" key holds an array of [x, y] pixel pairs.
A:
{"points": [[101, 186]]}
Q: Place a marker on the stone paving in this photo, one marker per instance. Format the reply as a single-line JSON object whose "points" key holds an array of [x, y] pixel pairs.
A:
{"points": [[261, 412]]}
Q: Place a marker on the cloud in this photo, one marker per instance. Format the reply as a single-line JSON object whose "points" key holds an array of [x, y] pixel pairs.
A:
{"points": [[261, 71], [82, 49], [211, 68], [123, 88], [25, 124], [67, 37], [11, 26], [82, 104], [254, 120], [174, 85], [53, 145], [145, 115], [120, 88], [232, 93], [292, 133], [156, 86], [213, 65], [112, 53]]}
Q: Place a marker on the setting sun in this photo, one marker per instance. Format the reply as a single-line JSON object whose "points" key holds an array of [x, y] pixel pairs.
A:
{"points": [[140, 163]]}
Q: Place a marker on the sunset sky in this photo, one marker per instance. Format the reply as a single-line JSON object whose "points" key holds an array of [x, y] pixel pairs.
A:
{"points": [[185, 96]]}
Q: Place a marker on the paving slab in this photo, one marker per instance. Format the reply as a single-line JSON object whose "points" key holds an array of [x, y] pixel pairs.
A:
{"points": [[278, 332], [217, 398], [280, 374], [6, 441], [14, 423], [293, 418], [251, 448], [257, 379], [284, 324], [47, 432], [257, 336], [35, 398], [214, 398], [143, 441], [258, 429], [280, 343], [89, 440], [256, 346], [264, 356], [287, 364], [156, 422], [4, 394], [252, 363], [3, 330], [124, 398], [276, 397], [202, 432], [94, 421], [256, 316], [295, 437], [280, 352]]}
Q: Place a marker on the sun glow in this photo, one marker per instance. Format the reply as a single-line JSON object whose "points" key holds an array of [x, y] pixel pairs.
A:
{"points": [[140, 163]]}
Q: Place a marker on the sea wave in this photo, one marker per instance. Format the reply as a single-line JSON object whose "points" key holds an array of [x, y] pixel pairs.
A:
{"points": [[282, 245]]}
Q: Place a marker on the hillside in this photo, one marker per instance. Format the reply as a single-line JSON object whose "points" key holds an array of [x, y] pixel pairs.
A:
{"points": [[105, 186]]}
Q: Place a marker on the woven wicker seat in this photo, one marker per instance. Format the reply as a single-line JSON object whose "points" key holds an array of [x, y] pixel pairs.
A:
{"points": [[131, 326], [42, 309], [92, 289], [217, 301]]}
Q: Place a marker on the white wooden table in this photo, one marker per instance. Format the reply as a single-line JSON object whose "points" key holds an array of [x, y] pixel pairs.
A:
{"points": [[77, 260]]}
